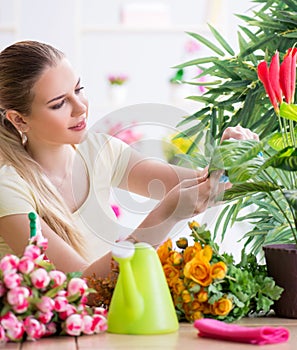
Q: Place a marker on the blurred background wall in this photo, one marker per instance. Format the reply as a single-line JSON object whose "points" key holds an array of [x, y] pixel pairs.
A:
{"points": [[142, 39]]}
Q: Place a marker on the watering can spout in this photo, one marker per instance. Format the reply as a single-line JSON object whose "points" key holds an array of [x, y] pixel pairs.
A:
{"points": [[123, 254]]}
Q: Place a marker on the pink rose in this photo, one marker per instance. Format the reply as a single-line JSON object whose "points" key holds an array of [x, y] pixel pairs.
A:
{"points": [[44, 317], [22, 307], [40, 241], [46, 304], [87, 324], [74, 324], [99, 323], [100, 311], [34, 328], [69, 310], [17, 296], [58, 277], [9, 320], [40, 278], [3, 337], [32, 252], [50, 329], [26, 265], [61, 303], [12, 280], [16, 332], [9, 264], [77, 286]]}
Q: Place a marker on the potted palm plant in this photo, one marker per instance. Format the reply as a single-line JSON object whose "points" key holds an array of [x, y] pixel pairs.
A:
{"points": [[235, 96], [268, 167]]}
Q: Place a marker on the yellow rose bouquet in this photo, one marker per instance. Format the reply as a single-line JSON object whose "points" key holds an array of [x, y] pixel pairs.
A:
{"points": [[205, 283]]}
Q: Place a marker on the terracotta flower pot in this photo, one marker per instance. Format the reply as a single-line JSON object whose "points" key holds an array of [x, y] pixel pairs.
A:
{"points": [[281, 260]]}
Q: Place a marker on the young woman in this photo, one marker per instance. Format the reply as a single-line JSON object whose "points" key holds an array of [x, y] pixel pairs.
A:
{"points": [[52, 165]]}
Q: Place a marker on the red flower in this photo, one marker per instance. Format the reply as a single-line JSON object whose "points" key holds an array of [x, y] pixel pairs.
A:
{"points": [[288, 74], [270, 77]]}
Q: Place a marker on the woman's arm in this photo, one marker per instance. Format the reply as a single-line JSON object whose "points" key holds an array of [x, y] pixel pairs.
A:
{"points": [[155, 178], [15, 230]]}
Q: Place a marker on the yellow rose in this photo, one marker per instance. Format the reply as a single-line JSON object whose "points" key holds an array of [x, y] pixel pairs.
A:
{"points": [[175, 258], [222, 307], [205, 254], [164, 250], [206, 308], [202, 296], [177, 286], [197, 315], [186, 296], [182, 242], [191, 251], [193, 224], [198, 271], [196, 305], [171, 274], [218, 270]]}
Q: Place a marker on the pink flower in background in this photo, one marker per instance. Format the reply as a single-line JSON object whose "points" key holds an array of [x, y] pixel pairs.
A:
{"points": [[117, 79], [192, 46], [116, 210], [201, 79], [128, 135]]}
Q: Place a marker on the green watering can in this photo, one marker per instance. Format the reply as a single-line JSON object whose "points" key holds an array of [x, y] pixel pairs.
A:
{"points": [[141, 302]]}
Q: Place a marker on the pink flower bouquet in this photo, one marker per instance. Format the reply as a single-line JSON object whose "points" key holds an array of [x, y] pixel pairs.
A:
{"points": [[37, 300]]}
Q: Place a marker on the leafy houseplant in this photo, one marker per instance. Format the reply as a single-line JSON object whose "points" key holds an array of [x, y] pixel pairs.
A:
{"points": [[251, 173], [235, 96]]}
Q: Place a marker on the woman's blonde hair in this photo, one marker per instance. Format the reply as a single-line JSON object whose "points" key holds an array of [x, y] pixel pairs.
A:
{"points": [[21, 65]]}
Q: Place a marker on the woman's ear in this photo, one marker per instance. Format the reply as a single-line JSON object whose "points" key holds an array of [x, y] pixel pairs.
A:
{"points": [[17, 120]]}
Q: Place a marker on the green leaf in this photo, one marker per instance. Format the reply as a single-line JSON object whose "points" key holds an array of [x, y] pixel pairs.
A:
{"points": [[207, 43], [288, 111], [234, 153], [221, 40], [249, 188], [285, 159], [291, 197], [279, 140], [196, 61]]}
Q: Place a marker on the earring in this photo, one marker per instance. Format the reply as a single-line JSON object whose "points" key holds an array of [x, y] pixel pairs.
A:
{"points": [[24, 138]]}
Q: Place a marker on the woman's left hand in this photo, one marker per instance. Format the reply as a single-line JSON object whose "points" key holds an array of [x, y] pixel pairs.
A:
{"points": [[239, 133]]}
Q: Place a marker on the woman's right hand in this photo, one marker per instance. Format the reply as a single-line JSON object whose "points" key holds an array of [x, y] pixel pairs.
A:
{"points": [[193, 196]]}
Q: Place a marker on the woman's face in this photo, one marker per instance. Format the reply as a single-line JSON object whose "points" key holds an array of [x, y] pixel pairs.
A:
{"points": [[59, 109]]}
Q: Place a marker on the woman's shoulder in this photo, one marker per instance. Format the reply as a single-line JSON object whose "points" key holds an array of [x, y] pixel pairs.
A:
{"points": [[10, 179], [8, 174]]}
